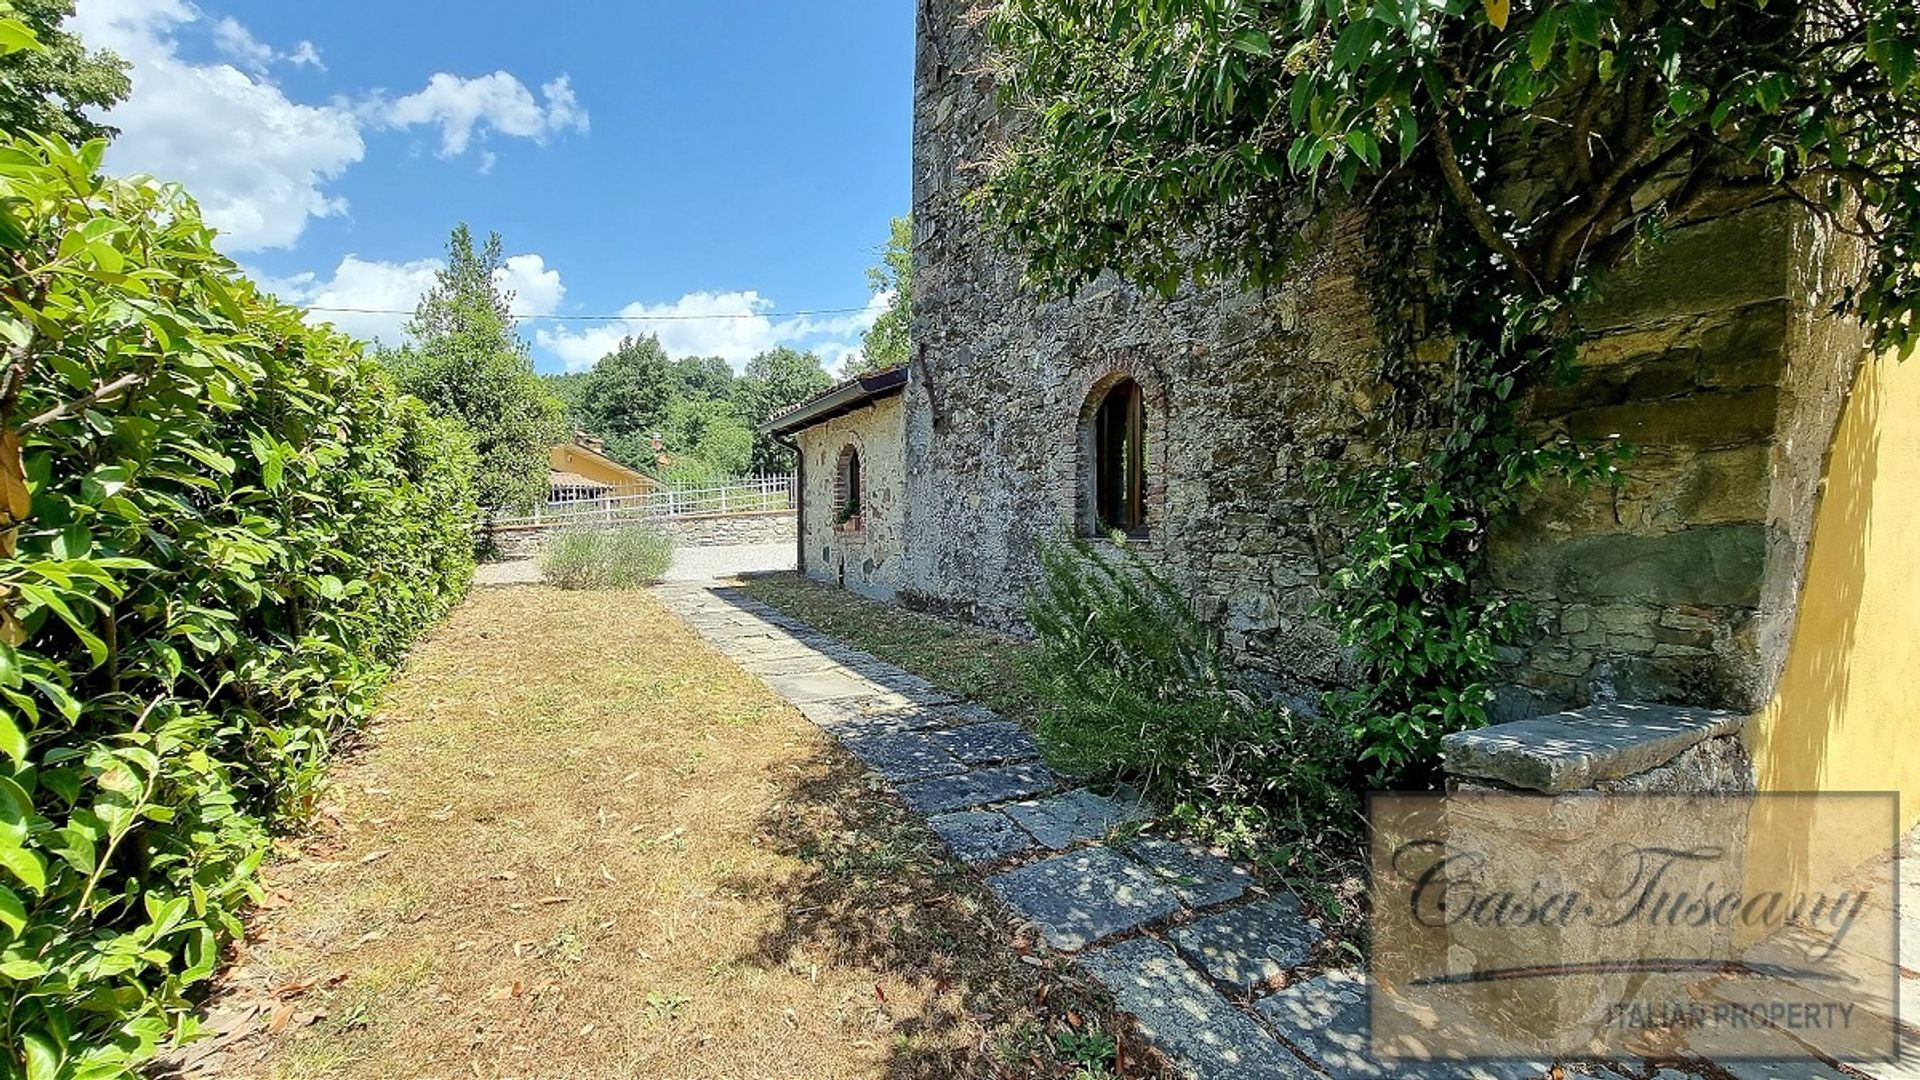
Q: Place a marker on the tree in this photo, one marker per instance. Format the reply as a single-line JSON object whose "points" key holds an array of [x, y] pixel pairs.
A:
{"points": [[565, 388], [1515, 156], [708, 377], [466, 361], [706, 440], [49, 89], [775, 380], [1187, 138], [887, 343], [624, 399]]}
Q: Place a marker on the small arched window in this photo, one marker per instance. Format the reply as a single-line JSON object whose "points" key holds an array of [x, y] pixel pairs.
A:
{"points": [[1120, 459], [846, 488]]}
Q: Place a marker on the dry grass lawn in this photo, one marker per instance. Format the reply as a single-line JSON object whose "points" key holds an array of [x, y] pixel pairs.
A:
{"points": [[579, 843]]}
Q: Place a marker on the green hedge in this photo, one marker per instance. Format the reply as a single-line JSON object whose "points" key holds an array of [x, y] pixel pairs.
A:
{"points": [[226, 527]]}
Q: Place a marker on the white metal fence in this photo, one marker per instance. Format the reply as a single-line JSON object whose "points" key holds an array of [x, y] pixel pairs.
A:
{"points": [[742, 495]]}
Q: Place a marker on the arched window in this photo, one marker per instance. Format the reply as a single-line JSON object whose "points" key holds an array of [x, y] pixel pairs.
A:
{"points": [[1120, 459], [846, 488]]}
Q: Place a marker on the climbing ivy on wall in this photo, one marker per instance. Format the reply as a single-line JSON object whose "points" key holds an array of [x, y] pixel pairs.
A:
{"points": [[1506, 154]]}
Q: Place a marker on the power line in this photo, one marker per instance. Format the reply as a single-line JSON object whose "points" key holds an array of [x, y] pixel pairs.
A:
{"points": [[612, 318]]}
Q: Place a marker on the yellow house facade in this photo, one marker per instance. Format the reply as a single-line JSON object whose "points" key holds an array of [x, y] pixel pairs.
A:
{"points": [[585, 458]]}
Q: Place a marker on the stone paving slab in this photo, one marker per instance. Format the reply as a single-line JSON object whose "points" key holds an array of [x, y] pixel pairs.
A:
{"points": [[1326, 1018], [978, 788], [847, 717], [834, 684], [1197, 876], [905, 756], [1084, 896], [1251, 945], [1065, 820], [981, 836], [774, 652], [1199, 1031], [806, 662], [996, 740]]}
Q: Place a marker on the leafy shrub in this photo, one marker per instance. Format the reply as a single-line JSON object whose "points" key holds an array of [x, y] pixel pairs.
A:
{"points": [[611, 558], [1135, 692], [221, 527]]}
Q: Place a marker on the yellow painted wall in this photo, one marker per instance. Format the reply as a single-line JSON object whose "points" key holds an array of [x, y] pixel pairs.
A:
{"points": [[1845, 715], [574, 459]]}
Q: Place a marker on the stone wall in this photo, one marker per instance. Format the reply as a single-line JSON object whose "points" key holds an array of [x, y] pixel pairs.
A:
{"points": [[1243, 392], [699, 530], [716, 530], [1649, 592], [863, 554]]}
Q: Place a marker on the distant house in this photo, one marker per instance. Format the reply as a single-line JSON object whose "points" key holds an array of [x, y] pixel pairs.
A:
{"points": [[581, 469]]}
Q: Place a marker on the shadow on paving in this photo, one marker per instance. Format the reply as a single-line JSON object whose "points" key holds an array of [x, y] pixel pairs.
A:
{"points": [[880, 891]]}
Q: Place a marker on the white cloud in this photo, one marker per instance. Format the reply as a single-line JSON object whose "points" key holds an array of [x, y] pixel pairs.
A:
{"points": [[382, 287], [536, 289], [261, 164], [735, 326], [238, 44], [383, 294], [462, 108], [258, 162], [306, 54]]}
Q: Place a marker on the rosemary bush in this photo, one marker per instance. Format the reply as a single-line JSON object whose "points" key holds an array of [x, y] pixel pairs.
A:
{"points": [[624, 557]]}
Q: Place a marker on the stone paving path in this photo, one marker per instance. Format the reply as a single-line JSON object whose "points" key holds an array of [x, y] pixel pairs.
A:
{"points": [[1185, 941]]}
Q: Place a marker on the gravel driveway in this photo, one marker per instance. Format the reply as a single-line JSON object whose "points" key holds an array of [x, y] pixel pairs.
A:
{"points": [[689, 564], [708, 563]]}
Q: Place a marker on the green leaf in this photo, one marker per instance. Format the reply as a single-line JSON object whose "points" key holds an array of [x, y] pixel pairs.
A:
{"points": [[27, 866], [12, 740], [1253, 43], [1583, 23], [16, 36], [1540, 41], [13, 911]]}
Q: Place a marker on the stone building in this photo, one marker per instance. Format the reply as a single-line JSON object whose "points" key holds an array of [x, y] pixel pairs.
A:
{"points": [[1193, 424], [851, 443]]}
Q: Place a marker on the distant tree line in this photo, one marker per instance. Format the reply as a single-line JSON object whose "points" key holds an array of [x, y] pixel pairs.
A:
{"points": [[689, 420]]}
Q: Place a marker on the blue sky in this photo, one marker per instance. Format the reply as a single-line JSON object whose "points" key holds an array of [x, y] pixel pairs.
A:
{"points": [[721, 157]]}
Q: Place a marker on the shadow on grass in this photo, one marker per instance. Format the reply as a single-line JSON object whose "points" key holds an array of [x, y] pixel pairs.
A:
{"points": [[880, 892]]}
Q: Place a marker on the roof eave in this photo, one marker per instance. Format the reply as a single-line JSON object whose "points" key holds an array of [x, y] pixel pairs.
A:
{"points": [[854, 394]]}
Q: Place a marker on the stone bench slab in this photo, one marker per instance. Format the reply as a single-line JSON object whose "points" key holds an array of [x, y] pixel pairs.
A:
{"points": [[1571, 751]]}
